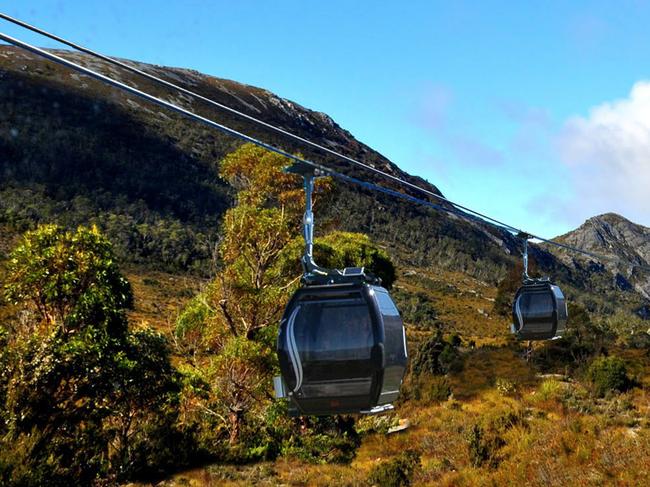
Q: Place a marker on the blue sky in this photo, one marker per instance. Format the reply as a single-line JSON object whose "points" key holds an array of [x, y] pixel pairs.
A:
{"points": [[523, 110]]}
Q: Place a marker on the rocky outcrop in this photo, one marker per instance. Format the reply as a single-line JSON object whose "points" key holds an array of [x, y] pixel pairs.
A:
{"points": [[626, 246]]}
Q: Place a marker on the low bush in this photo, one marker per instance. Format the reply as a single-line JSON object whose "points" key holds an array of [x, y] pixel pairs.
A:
{"points": [[318, 439], [483, 446], [426, 358], [428, 388], [607, 375], [450, 359], [436, 356], [397, 472]]}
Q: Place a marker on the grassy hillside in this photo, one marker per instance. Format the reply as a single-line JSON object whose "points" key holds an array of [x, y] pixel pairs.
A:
{"points": [[76, 152], [541, 426]]}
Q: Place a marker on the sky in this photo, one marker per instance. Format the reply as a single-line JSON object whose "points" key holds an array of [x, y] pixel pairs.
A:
{"points": [[536, 113]]}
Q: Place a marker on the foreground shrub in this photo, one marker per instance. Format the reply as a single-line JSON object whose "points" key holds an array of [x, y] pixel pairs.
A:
{"points": [[608, 374], [429, 389], [83, 397], [273, 434], [397, 472], [483, 446], [450, 359], [426, 359], [436, 356], [324, 439]]}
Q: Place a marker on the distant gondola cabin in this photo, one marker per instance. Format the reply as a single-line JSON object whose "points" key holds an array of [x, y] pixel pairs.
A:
{"points": [[539, 311]]}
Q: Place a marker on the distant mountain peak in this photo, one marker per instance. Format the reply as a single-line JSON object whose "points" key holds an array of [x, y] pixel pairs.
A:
{"points": [[600, 231], [625, 243], [609, 218]]}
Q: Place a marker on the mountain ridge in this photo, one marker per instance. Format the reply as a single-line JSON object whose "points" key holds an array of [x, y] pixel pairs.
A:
{"points": [[76, 152], [627, 244]]}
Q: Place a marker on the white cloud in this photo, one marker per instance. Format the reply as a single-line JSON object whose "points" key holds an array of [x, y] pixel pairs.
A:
{"points": [[607, 154]]}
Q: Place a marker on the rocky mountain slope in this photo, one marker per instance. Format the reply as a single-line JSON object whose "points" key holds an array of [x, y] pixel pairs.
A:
{"points": [[626, 244], [75, 151]]}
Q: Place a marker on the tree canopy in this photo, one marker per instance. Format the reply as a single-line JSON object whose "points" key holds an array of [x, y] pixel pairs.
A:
{"points": [[229, 330], [70, 279], [82, 396]]}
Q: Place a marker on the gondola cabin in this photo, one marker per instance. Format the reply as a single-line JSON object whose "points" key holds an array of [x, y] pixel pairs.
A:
{"points": [[342, 349], [539, 311]]}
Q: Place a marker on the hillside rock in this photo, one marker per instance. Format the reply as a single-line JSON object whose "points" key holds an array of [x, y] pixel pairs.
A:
{"points": [[626, 244]]}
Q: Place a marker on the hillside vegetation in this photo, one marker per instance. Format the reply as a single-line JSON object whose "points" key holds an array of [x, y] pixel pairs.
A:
{"points": [[92, 398], [145, 262], [75, 151]]}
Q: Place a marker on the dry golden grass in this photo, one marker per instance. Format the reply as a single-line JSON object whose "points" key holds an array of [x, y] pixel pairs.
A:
{"points": [[550, 447], [464, 304], [159, 296], [546, 440], [552, 431]]}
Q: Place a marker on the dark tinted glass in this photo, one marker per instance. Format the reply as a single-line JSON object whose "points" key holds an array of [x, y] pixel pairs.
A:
{"points": [[536, 306], [334, 339]]}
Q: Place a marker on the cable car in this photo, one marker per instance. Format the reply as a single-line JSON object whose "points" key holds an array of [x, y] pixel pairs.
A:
{"points": [[342, 349], [341, 344], [539, 310]]}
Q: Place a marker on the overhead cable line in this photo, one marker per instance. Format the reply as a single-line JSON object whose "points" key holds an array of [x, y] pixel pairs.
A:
{"points": [[210, 101], [473, 216], [267, 125], [223, 128]]}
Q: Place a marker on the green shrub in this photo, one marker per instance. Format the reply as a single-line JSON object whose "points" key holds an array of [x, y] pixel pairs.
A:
{"points": [[85, 397], [323, 439], [397, 472], [345, 249], [608, 374], [483, 446], [436, 356], [326, 439], [427, 355], [428, 388], [450, 360], [417, 308]]}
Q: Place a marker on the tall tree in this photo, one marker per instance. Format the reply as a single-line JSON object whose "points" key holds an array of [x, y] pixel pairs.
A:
{"points": [[80, 392], [234, 321]]}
